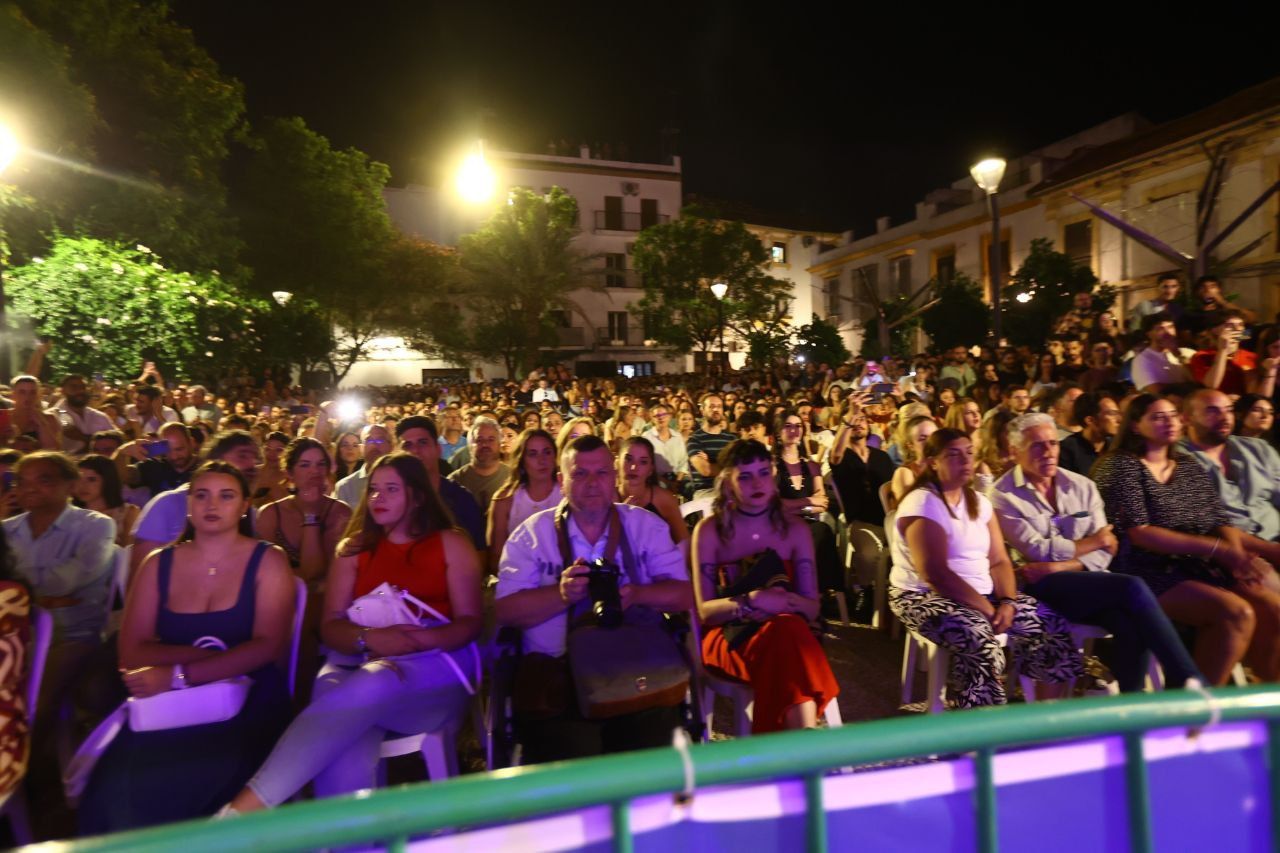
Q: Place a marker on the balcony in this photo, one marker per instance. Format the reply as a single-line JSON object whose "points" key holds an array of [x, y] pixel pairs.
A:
{"points": [[572, 336], [616, 338], [621, 278], [609, 220]]}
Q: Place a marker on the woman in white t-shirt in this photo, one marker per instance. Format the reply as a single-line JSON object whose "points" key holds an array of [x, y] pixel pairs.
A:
{"points": [[953, 583]]}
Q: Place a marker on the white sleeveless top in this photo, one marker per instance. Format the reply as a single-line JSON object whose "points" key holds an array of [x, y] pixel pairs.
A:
{"points": [[523, 506]]}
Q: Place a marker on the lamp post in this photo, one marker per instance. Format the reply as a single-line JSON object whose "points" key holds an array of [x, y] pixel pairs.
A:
{"points": [[719, 289], [987, 174], [475, 180], [8, 151]]}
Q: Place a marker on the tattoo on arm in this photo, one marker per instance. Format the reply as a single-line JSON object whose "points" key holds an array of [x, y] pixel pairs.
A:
{"points": [[805, 570]]}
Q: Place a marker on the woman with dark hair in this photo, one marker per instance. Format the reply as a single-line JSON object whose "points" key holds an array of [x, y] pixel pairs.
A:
{"points": [[346, 450], [530, 488], [215, 605], [757, 593], [402, 678], [952, 581], [1255, 417], [1046, 364], [638, 486], [1175, 534], [804, 494], [99, 489], [15, 669], [272, 483], [308, 524]]}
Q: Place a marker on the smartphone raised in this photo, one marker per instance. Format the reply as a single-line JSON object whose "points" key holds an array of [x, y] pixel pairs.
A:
{"points": [[155, 448]]}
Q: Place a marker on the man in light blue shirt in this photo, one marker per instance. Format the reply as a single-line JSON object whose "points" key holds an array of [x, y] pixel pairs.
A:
{"points": [[1245, 470], [67, 555], [1056, 520], [375, 443]]}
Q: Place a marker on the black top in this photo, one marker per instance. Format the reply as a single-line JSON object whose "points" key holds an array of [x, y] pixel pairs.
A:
{"points": [[859, 485], [1076, 454], [157, 475]]}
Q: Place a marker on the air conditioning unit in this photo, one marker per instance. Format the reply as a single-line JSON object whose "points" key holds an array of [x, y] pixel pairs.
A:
{"points": [[630, 188]]}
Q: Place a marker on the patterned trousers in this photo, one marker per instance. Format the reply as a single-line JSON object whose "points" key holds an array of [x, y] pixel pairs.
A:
{"points": [[1040, 638]]}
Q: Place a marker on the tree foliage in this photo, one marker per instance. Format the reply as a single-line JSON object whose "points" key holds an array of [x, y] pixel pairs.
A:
{"points": [[511, 274], [106, 307], [819, 342], [141, 120], [1051, 279], [680, 259], [960, 317]]}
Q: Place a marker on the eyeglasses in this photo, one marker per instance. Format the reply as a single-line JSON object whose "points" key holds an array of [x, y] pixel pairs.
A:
{"points": [[375, 441]]}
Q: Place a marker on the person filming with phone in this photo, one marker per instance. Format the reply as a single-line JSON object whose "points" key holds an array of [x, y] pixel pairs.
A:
{"points": [[160, 465], [1222, 364]]}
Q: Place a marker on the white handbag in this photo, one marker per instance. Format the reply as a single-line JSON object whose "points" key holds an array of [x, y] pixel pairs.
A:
{"points": [[215, 702], [388, 605]]}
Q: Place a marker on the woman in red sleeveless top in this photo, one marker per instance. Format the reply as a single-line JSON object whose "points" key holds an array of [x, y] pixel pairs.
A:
{"points": [[757, 592], [401, 679]]}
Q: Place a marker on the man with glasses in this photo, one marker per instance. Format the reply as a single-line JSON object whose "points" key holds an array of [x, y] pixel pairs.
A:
{"points": [[375, 442], [671, 457]]}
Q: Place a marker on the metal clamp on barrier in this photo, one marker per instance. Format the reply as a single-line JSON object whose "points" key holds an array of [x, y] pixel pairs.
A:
{"points": [[680, 742], [1215, 709]]}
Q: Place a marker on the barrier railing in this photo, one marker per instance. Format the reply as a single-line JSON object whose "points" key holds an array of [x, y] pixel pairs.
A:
{"points": [[393, 816]]}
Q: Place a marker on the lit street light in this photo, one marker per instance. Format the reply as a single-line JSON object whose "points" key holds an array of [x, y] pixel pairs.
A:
{"points": [[8, 147], [718, 290], [475, 181], [987, 174], [281, 297]]}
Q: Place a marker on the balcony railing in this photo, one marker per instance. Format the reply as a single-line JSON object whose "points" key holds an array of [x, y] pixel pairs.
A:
{"points": [[608, 220], [621, 278], [616, 338], [572, 336]]}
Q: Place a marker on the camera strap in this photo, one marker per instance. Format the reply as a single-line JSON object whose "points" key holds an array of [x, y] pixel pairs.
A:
{"points": [[615, 538]]}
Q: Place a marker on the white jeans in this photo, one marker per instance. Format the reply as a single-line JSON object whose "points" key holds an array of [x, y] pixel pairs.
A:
{"points": [[337, 740]]}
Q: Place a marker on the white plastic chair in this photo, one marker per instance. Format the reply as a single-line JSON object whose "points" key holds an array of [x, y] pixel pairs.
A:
{"points": [[1155, 676], [701, 505], [299, 615], [118, 586], [439, 748], [936, 661], [15, 808]]}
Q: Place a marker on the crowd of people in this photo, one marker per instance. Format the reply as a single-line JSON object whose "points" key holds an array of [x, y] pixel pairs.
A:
{"points": [[1127, 480]]}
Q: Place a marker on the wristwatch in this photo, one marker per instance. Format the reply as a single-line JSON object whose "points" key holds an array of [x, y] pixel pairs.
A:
{"points": [[178, 681], [362, 645]]}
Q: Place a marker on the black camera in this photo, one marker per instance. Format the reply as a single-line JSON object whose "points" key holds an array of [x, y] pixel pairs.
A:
{"points": [[602, 589]]}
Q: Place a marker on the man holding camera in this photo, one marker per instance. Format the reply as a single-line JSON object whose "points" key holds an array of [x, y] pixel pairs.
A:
{"points": [[539, 587], [1223, 365]]}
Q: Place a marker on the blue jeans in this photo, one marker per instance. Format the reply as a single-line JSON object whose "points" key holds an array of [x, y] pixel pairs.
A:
{"points": [[337, 739], [1124, 606]]}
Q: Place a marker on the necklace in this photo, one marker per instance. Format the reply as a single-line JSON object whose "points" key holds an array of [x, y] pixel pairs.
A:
{"points": [[213, 569]]}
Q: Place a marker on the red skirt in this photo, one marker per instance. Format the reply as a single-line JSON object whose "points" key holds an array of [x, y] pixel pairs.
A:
{"points": [[784, 664]]}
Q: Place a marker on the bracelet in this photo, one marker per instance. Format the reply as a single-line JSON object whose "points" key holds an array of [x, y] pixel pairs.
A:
{"points": [[1214, 549], [1006, 600]]}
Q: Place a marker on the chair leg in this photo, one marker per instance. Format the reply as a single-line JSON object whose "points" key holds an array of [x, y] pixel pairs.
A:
{"points": [[832, 715], [742, 718], [1238, 677], [1155, 676], [909, 652], [842, 605], [708, 710], [440, 752], [939, 664]]}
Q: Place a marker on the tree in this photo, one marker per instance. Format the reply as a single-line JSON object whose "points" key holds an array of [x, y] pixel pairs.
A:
{"points": [[106, 307], [512, 273], [903, 317], [315, 225], [819, 342], [678, 261], [163, 117], [1050, 280], [960, 316]]}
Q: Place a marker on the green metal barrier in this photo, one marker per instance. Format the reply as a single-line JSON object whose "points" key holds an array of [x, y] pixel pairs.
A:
{"points": [[393, 815]]}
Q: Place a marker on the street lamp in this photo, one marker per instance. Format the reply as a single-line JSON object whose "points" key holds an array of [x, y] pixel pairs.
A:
{"points": [[718, 290], [475, 181], [987, 174], [281, 297]]}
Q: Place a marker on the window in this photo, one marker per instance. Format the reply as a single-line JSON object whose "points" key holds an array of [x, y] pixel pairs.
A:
{"points": [[632, 369], [944, 265], [871, 275], [778, 253], [615, 269], [618, 326], [559, 317], [832, 288], [1077, 242], [613, 213], [648, 212], [900, 275]]}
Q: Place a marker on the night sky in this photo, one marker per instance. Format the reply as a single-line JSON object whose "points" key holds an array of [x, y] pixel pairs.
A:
{"points": [[804, 116]]}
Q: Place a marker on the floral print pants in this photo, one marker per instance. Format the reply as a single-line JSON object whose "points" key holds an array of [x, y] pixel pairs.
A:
{"points": [[1039, 638]]}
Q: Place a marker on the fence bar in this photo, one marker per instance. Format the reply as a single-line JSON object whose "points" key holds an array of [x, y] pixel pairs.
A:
{"points": [[517, 793], [815, 814], [623, 840], [1135, 774], [984, 791]]}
